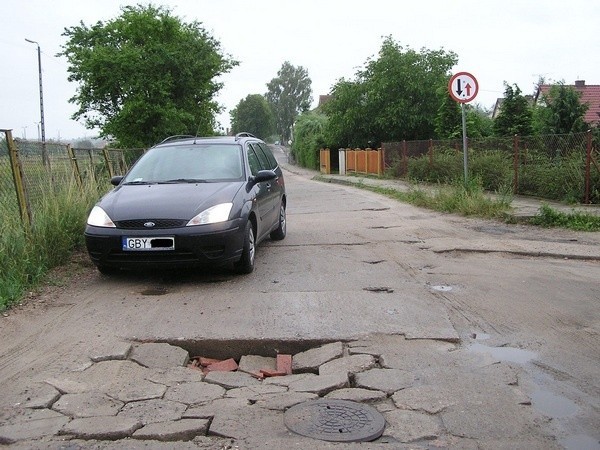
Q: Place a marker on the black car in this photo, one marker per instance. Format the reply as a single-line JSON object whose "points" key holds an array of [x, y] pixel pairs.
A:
{"points": [[190, 201]]}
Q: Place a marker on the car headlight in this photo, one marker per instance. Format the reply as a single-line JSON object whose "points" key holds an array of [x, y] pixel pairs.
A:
{"points": [[214, 214], [98, 218]]}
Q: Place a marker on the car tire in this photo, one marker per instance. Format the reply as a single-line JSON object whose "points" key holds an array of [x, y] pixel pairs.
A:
{"points": [[279, 233], [246, 263]]}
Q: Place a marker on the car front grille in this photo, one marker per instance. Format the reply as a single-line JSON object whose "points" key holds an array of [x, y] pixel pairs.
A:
{"points": [[143, 224]]}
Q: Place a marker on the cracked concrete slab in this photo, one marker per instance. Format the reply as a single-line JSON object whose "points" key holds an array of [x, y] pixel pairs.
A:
{"points": [[159, 355], [87, 404], [103, 428], [194, 393], [179, 430], [33, 424], [152, 411]]}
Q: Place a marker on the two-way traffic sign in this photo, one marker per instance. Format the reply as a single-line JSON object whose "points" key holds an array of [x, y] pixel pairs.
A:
{"points": [[463, 87]]}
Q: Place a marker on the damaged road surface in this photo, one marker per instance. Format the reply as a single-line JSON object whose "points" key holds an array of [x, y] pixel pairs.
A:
{"points": [[461, 333]]}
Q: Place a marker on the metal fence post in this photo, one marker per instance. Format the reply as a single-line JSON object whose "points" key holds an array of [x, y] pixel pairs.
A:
{"points": [[75, 165], [404, 158], [516, 164], [17, 171], [108, 162], [588, 163], [430, 153]]}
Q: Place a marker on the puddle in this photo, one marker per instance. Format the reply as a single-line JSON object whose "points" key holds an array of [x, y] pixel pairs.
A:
{"points": [[507, 354], [580, 442], [441, 288], [552, 405]]}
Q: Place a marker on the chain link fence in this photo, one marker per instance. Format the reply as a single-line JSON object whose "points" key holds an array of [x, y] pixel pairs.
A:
{"points": [[556, 167], [31, 169]]}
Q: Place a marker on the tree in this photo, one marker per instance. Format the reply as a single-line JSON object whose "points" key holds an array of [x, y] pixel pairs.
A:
{"points": [[479, 121], [289, 94], [254, 115], [448, 121], [515, 116], [396, 96], [564, 113], [145, 75]]}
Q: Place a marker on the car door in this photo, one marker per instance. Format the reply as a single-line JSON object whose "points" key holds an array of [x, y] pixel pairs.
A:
{"points": [[273, 188], [263, 194]]}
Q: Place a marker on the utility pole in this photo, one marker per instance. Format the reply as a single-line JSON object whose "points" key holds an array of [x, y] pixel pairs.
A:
{"points": [[45, 158]]}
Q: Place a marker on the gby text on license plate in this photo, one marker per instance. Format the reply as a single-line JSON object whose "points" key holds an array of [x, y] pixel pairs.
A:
{"points": [[148, 243]]}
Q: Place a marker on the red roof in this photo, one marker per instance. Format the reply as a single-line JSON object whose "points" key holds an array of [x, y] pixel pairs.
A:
{"points": [[590, 94]]}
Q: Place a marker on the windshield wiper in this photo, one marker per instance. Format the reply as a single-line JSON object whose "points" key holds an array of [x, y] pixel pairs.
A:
{"points": [[184, 180], [140, 182]]}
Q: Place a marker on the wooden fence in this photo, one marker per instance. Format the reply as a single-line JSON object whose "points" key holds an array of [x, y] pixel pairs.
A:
{"points": [[357, 161]]}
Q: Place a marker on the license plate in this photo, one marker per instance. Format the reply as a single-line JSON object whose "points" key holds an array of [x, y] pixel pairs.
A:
{"points": [[148, 243]]}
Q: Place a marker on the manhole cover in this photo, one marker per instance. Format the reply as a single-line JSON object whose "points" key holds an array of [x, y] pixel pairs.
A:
{"points": [[335, 420]]}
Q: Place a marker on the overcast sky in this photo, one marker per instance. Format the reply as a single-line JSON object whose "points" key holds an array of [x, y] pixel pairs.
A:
{"points": [[516, 41]]}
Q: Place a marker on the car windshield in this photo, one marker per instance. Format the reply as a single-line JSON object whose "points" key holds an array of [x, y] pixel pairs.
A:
{"points": [[194, 163]]}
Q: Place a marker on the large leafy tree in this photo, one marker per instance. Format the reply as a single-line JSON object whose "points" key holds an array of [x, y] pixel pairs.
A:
{"points": [[253, 114], [396, 96], [448, 121], [289, 94], [516, 115], [145, 75], [563, 111]]}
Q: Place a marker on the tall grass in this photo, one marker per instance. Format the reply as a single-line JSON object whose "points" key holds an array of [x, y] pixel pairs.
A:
{"points": [[27, 253], [469, 200]]}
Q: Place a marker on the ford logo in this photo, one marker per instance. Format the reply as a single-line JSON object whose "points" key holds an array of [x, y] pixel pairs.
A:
{"points": [[149, 224]]}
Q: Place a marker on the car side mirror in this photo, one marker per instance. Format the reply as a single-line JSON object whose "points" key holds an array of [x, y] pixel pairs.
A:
{"points": [[115, 181], [263, 175]]}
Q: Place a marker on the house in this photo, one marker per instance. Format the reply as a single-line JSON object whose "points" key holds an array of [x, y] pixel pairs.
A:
{"points": [[590, 94]]}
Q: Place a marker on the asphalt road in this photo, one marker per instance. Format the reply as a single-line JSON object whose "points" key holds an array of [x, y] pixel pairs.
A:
{"points": [[353, 265]]}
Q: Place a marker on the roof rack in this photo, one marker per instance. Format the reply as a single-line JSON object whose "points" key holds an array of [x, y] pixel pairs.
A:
{"points": [[177, 136], [244, 134]]}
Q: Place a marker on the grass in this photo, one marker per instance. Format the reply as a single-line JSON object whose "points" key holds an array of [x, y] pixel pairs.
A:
{"points": [[472, 201], [467, 200], [27, 253], [548, 217]]}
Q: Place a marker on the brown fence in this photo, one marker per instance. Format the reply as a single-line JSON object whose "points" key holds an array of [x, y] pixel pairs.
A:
{"points": [[25, 175], [355, 161], [574, 158], [325, 160], [365, 161]]}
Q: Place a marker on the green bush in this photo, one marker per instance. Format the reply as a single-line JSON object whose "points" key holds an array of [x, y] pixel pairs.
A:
{"points": [[446, 167], [553, 178], [309, 138], [493, 168]]}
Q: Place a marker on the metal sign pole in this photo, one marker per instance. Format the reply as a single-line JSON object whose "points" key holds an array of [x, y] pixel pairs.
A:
{"points": [[463, 87], [465, 141]]}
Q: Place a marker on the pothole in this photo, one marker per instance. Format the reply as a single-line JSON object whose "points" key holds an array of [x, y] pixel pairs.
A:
{"points": [[155, 291], [379, 289]]}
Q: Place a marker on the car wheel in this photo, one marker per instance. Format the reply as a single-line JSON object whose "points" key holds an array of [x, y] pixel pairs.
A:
{"points": [[246, 262], [279, 233]]}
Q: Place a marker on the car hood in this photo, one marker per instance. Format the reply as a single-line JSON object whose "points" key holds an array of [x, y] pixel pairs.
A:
{"points": [[166, 201]]}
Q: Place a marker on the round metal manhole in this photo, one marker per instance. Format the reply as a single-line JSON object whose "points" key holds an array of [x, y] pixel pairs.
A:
{"points": [[335, 420]]}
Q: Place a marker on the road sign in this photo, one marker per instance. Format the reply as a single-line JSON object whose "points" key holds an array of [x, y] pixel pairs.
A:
{"points": [[463, 87]]}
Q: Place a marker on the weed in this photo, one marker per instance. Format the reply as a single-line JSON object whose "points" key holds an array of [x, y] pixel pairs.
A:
{"points": [[548, 217]]}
